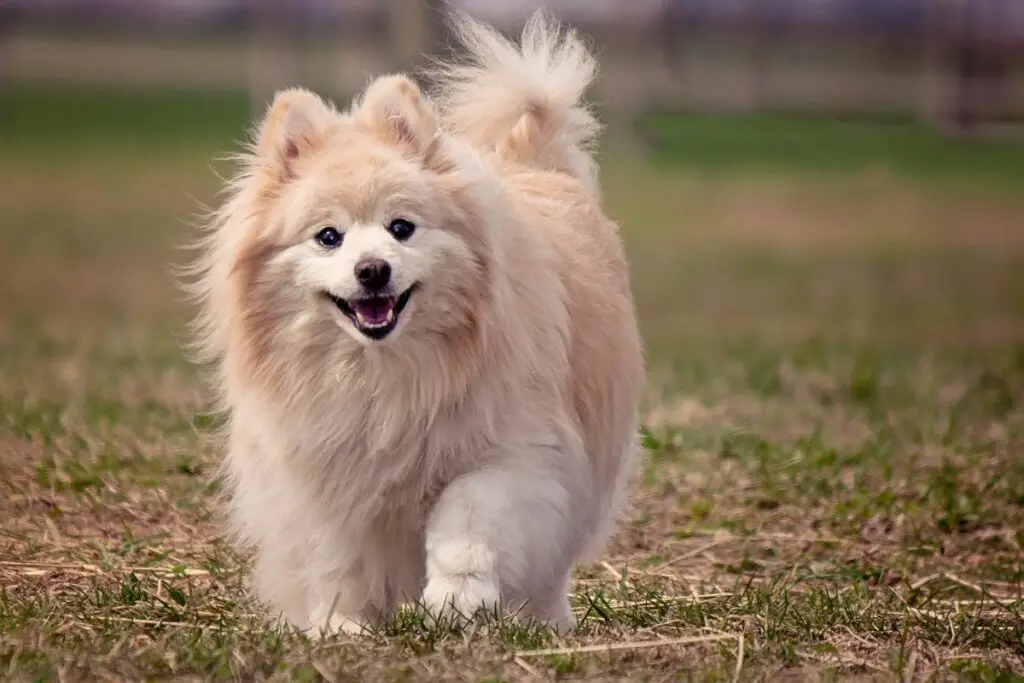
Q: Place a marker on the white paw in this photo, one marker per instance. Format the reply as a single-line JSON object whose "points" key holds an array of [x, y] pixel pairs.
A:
{"points": [[462, 578], [326, 624], [461, 596]]}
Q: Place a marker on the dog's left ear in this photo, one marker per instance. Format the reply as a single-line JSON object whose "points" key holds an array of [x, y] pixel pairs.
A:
{"points": [[394, 107], [296, 123]]}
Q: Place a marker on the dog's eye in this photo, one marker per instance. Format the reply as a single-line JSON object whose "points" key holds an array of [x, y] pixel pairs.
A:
{"points": [[329, 238], [401, 229]]}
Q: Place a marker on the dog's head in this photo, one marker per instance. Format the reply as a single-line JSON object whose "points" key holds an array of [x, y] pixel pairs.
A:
{"points": [[366, 225]]}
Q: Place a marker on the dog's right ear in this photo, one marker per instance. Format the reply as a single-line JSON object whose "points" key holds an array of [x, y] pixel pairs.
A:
{"points": [[395, 109], [296, 123]]}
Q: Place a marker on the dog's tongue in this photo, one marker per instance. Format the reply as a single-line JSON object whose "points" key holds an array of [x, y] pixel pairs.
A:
{"points": [[375, 311]]}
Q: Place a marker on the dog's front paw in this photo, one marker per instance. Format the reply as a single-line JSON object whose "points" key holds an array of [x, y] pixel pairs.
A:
{"points": [[326, 623], [462, 579], [461, 597]]}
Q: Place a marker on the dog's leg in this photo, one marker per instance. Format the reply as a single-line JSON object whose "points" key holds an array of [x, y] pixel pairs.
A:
{"points": [[342, 601], [350, 590], [506, 535], [278, 580], [387, 568]]}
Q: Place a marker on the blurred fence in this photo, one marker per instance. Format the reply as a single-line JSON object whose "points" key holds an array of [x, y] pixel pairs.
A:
{"points": [[958, 64]]}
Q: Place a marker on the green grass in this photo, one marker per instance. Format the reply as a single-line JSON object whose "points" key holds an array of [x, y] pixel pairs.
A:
{"points": [[816, 145], [833, 486], [36, 116]]}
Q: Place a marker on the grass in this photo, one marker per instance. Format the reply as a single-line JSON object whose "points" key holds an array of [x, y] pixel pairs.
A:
{"points": [[817, 145], [833, 487]]}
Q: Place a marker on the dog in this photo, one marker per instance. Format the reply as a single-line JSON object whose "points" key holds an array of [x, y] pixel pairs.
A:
{"points": [[421, 330]]}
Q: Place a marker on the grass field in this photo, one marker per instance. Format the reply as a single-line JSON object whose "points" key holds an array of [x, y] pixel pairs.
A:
{"points": [[834, 484]]}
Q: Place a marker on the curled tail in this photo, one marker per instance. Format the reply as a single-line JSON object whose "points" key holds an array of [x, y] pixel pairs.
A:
{"points": [[524, 101]]}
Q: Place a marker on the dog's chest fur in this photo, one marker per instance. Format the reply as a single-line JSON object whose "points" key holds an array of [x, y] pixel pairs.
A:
{"points": [[376, 451]]}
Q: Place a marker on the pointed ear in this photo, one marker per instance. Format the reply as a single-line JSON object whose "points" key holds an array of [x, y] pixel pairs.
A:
{"points": [[395, 108], [296, 123]]}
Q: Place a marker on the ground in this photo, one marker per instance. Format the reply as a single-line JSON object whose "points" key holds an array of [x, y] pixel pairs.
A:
{"points": [[833, 486]]}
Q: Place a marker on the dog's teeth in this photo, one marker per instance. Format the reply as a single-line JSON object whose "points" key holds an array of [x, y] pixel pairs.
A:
{"points": [[391, 316]]}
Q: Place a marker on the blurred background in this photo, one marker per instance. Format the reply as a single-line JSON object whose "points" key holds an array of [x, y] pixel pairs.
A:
{"points": [[952, 63]]}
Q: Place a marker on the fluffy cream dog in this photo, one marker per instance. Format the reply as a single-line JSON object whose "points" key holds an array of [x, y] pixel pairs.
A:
{"points": [[425, 340]]}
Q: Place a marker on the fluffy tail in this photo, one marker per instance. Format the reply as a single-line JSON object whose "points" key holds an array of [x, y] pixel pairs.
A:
{"points": [[524, 101]]}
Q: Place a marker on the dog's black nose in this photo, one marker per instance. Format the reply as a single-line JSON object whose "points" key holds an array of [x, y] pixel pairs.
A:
{"points": [[373, 273]]}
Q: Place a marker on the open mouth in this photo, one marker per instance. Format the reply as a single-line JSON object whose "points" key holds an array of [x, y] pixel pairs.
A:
{"points": [[374, 316]]}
